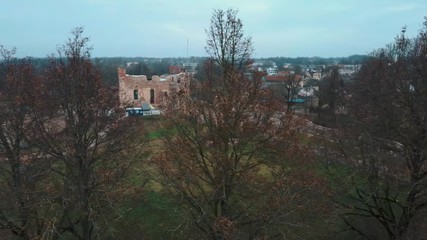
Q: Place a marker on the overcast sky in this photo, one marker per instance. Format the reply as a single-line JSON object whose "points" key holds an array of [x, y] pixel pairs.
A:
{"points": [[160, 28]]}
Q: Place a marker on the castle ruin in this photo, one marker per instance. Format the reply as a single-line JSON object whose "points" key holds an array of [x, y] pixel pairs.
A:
{"points": [[137, 89]]}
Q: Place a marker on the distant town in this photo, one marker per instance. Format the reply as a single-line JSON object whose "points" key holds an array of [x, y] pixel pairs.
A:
{"points": [[143, 81]]}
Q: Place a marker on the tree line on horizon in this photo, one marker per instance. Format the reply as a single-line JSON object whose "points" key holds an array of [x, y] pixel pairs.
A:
{"points": [[158, 66]]}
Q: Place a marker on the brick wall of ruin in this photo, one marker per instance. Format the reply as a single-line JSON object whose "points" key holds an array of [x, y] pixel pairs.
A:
{"points": [[137, 89]]}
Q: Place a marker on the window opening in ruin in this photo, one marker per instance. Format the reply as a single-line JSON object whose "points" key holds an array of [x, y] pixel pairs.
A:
{"points": [[135, 94], [152, 96]]}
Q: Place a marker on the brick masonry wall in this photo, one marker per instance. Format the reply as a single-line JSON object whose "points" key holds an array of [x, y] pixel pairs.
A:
{"points": [[162, 86]]}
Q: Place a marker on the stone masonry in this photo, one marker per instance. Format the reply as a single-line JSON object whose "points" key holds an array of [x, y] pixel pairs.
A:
{"points": [[137, 89]]}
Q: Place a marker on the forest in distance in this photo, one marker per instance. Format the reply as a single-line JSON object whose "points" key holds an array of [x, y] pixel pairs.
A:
{"points": [[158, 66], [232, 158]]}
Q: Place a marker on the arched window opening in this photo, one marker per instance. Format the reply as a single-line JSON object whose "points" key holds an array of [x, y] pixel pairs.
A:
{"points": [[135, 94], [152, 96]]}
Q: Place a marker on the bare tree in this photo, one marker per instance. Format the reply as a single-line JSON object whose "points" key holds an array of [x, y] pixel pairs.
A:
{"points": [[330, 91], [292, 82], [77, 122], [389, 127], [226, 43], [23, 170], [227, 159], [214, 160]]}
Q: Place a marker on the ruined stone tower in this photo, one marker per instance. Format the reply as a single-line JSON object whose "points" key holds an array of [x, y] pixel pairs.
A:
{"points": [[137, 89]]}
